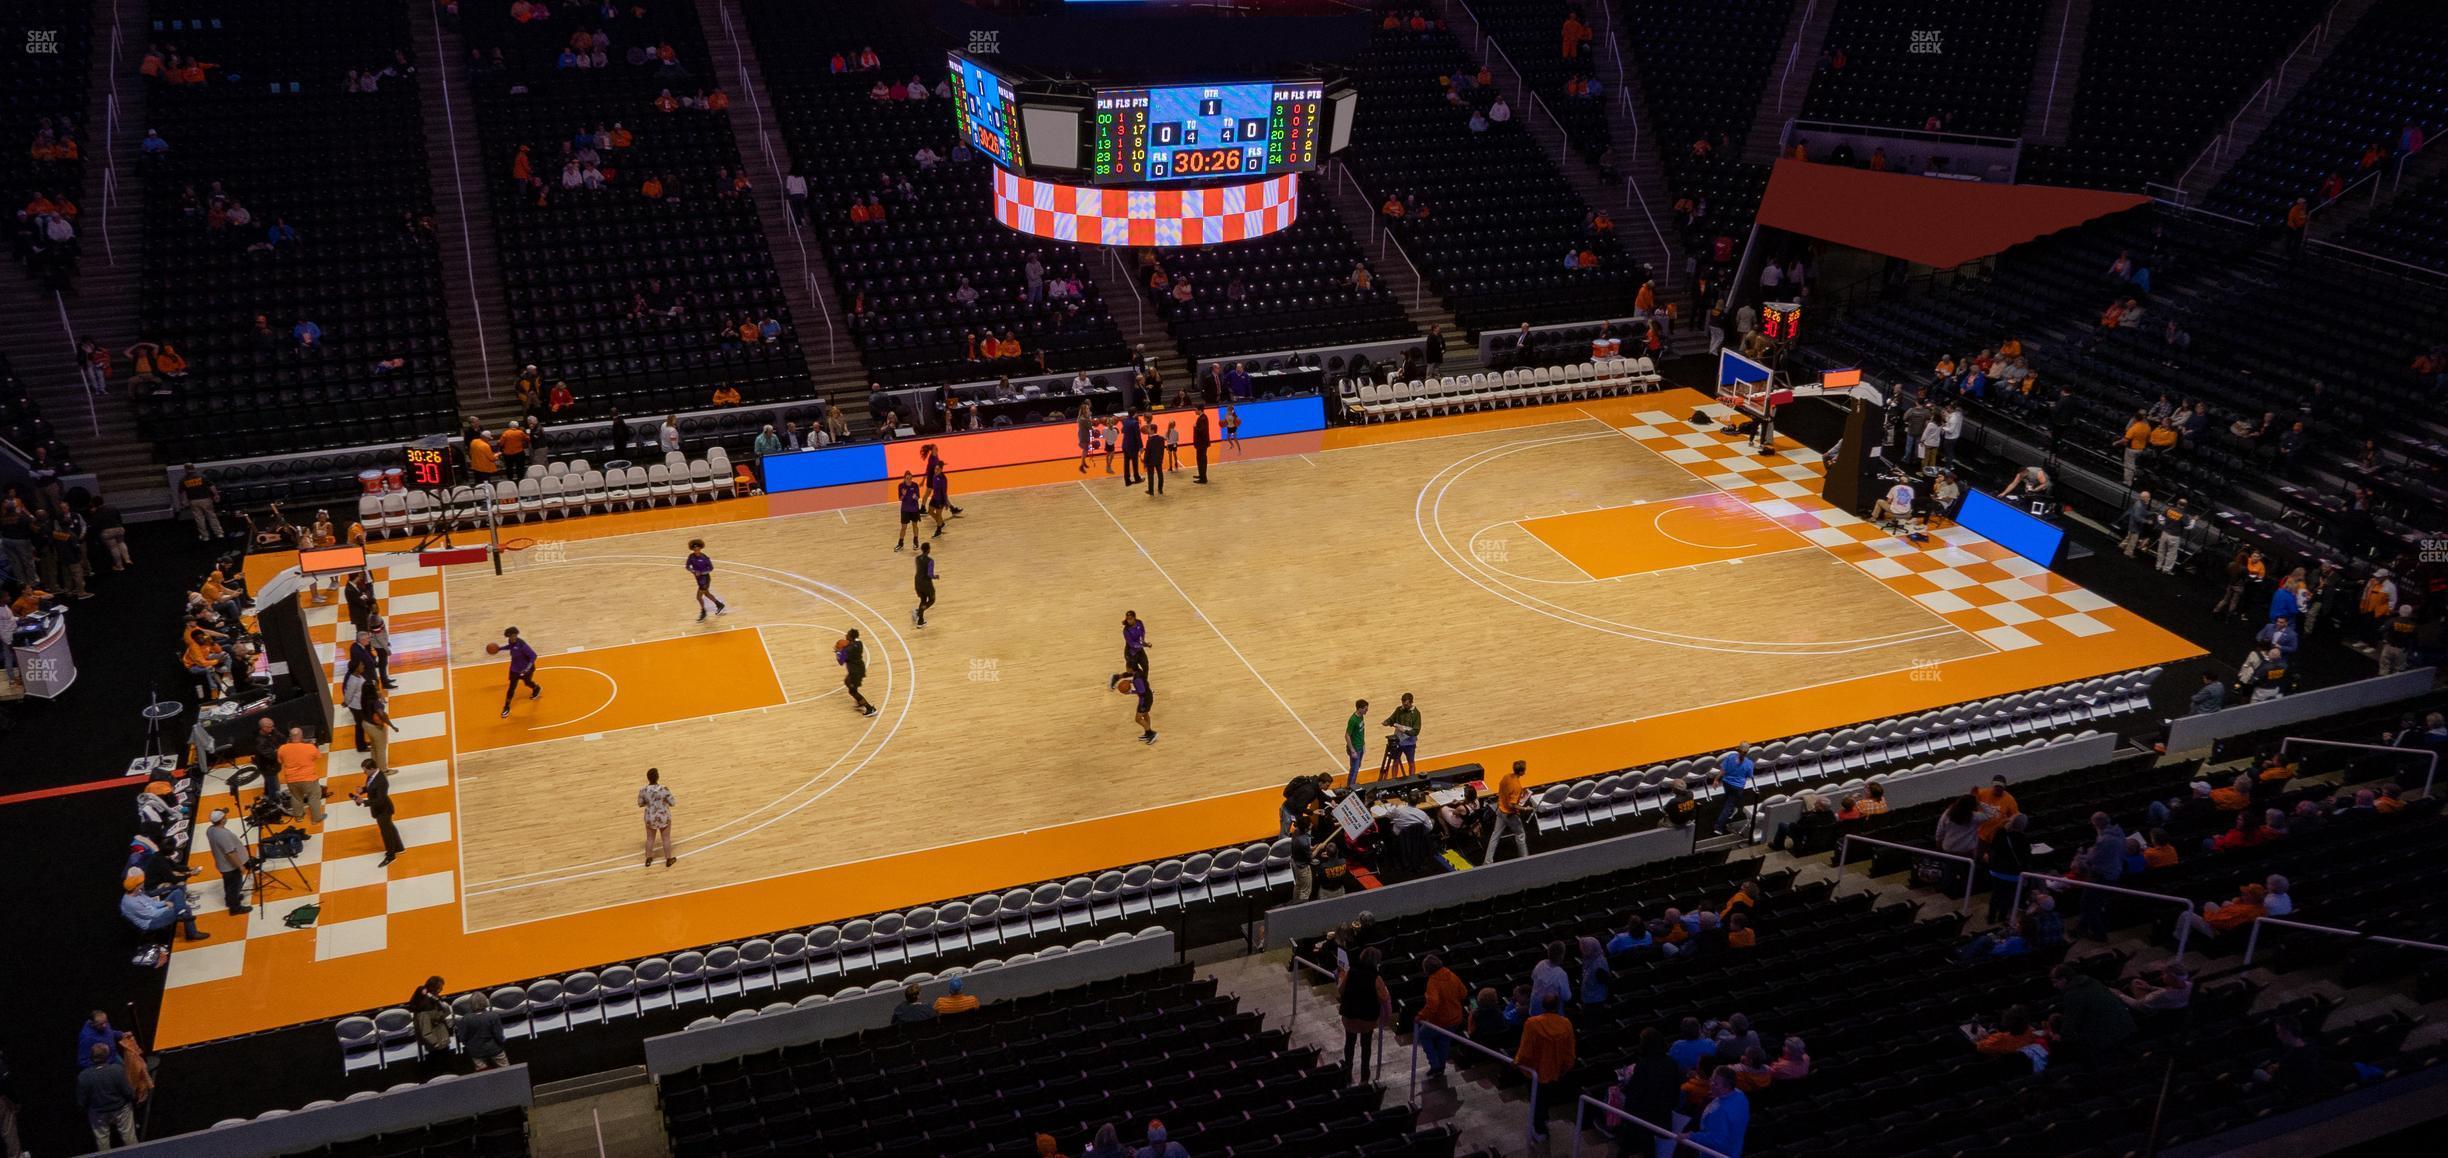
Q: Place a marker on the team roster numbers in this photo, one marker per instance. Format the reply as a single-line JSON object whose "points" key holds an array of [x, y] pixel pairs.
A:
{"points": [[1190, 132]]}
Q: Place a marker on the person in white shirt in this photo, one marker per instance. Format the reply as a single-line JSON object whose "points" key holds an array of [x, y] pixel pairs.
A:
{"points": [[1500, 112], [668, 437], [1954, 430], [1933, 439], [794, 187], [927, 157], [1896, 507], [1772, 277]]}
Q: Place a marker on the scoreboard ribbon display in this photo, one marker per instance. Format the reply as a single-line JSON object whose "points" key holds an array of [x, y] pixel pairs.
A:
{"points": [[1199, 132], [1140, 217]]}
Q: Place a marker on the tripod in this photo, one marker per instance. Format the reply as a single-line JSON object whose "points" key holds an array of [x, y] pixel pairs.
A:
{"points": [[262, 875]]}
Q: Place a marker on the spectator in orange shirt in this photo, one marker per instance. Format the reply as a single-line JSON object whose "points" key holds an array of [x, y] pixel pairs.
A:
{"points": [[1548, 1049], [1440, 1006], [301, 776], [726, 395], [514, 450], [2013, 1033], [482, 458], [1511, 799], [2158, 852], [2236, 797], [1998, 798], [954, 1001], [1739, 934], [2216, 917]]}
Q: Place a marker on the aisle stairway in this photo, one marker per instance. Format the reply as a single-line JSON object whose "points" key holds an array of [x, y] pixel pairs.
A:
{"points": [[99, 431], [2286, 78], [1789, 78], [2048, 115], [807, 285], [481, 355]]}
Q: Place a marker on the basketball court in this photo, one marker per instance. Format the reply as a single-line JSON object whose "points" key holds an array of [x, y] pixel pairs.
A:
{"points": [[1585, 587]]}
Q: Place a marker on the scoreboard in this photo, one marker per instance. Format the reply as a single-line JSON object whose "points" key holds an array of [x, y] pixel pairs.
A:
{"points": [[986, 112], [1195, 132]]}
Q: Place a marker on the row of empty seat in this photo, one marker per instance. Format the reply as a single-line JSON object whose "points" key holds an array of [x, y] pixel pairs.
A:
{"points": [[566, 488], [1453, 394]]}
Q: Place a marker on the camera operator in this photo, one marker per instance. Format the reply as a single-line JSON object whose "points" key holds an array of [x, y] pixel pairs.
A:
{"points": [[230, 858], [267, 742]]}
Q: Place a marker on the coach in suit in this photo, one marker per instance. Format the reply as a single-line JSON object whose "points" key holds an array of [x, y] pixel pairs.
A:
{"points": [[1199, 438], [1130, 450], [1152, 461], [375, 794]]}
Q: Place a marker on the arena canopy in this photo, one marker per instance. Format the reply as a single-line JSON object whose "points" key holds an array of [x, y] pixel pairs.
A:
{"points": [[1926, 220]]}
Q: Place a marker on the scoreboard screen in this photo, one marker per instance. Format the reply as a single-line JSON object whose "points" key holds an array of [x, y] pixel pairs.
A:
{"points": [[428, 469], [986, 112], [1194, 132]]}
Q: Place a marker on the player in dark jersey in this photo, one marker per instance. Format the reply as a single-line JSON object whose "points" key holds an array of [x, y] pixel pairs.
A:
{"points": [[926, 583], [939, 489], [909, 511], [702, 566], [1147, 700], [1134, 644], [853, 658]]}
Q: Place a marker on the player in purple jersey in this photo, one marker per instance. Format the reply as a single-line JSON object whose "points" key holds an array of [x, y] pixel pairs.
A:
{"points": [[522, 666], [909, 511], [925, 583], [1134, 644], [701, 566]]}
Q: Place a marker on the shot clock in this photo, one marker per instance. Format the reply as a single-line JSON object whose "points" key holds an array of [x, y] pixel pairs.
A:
{"points": [[429, 466]]}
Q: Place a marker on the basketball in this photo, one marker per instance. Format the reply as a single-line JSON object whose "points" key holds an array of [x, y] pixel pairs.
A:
{"points": [[492, 649]]}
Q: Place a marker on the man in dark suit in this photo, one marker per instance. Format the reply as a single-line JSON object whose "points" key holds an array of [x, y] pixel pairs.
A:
{"points": [[375, 794], [1130, 450], [1152, 461], [1199, 438]]}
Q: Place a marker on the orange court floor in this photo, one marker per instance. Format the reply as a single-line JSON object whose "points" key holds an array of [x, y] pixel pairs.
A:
{"points": [[1660, 541]]}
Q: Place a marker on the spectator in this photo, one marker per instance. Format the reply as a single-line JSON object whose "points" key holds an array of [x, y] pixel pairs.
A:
{"points": [[1363, 1001], [1158, 1146], [154, 911], [1550, 978], [2009, 856], [109, 1101], [953, 1000], [1547, 1051], [1793, 1061], [2104, 863], [1440, 1006], [1725, 1118], [480, 1036], [911, 1010], [1651, 1089], [1808, 831]]}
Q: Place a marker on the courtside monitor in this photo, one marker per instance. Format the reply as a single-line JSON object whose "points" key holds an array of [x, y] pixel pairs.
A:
{"points": [[2000, 522]]}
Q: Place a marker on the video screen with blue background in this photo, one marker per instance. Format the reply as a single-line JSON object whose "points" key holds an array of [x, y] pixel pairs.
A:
{"points": [[985, 112], [1998, 521]]}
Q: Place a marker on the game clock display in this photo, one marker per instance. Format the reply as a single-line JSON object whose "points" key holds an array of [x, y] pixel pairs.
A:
{"points": [[1190, 132]]}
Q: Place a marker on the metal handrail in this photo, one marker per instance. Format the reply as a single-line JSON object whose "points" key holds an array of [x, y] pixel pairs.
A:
{"points": [[1665, 277], [1581, 1120], [1785, 85], [91, 413], [1844, 847], [1563, 138], [2184, 932], [2432, 770], [2372, 178], [1419, 282], [2264, 93], [2415, 270], [1939, 136], [2210, 213], [2048, 106], [1530, 1124], [467, 238], [2253, 943]]}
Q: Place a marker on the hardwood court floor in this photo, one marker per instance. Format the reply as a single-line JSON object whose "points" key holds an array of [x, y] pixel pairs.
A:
{"points": [[1582, 587]]}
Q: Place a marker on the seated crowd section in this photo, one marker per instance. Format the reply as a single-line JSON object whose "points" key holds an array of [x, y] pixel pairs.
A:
{"points": [[1854, 1021], [2353, 119], [1151, 1057], [1310, 285], [1703, 67], [934, 289], [1560, 48], [632, 258], [44, 145], [2189, 73], [1904, 63], [1472, 199], [292, 290], [2280, 392]]}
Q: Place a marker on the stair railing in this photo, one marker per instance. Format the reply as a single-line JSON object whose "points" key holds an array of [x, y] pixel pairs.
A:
{"points": [[1792, 57], [467, 237]]}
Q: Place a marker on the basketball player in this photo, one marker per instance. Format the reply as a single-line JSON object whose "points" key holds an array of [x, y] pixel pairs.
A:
{"points": [[522, 667], [1134, 644], [926, 583], [909, 511], [939, 488], [657, 801], [702, 567], [1147, 699], [853, 659]]}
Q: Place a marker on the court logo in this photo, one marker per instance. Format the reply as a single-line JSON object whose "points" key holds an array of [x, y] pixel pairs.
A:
{"points": [[1925, 671], [1927, 42], [42, 42], [985, 671], [985, 42], [1492, 550]]}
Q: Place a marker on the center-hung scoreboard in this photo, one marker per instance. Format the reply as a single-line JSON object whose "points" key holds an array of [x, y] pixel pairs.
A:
{"points": [[1190, 132]]}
